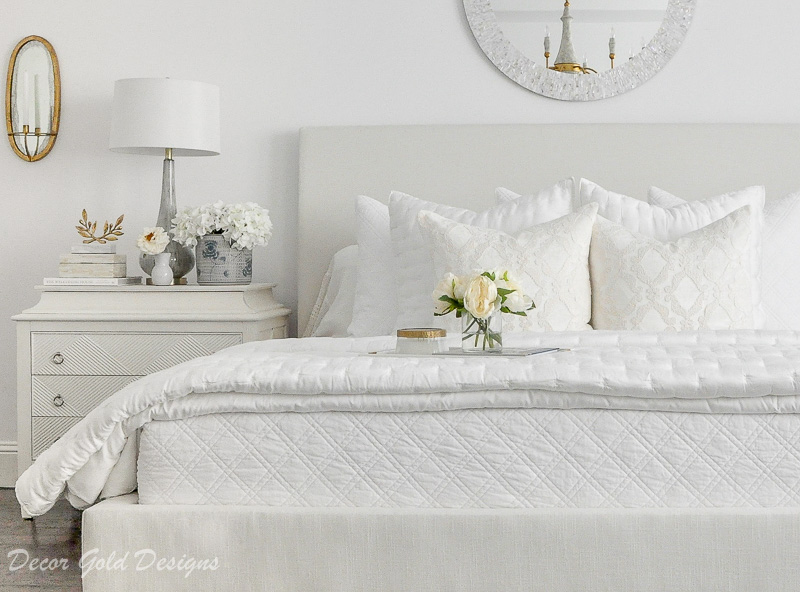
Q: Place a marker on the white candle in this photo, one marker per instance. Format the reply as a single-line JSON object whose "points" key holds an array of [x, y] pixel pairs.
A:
{"points": [[547, 39], [26, 99], [37, 115]]}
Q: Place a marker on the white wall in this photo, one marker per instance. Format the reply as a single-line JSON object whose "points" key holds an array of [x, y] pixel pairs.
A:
{"points": [[283, 65]]}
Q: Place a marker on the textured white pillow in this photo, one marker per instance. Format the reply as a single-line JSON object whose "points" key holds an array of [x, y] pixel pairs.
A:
{"points": [[550, 261], [700, 281], [780, 257], [669, 224], [375, 304], [414, 273], [333, 311]]}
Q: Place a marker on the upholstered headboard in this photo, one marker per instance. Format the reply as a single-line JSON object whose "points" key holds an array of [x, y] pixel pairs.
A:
{"points": [[462, 164]]}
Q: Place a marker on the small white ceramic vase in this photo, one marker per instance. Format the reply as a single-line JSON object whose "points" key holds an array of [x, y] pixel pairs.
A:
{"points": [[162, 272]]}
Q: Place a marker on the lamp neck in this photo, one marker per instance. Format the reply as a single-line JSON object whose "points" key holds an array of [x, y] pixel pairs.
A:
{"points": [[167, 153]]}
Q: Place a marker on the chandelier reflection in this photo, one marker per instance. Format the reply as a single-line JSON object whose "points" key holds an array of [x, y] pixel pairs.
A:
{"points": [[566, 60]]}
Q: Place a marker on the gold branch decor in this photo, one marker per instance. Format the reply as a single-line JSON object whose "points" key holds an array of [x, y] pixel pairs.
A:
{"points": [[88, 229]]}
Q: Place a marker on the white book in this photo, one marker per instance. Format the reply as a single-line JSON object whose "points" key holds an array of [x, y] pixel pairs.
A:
{"points": [[92, 281], [92, 258], [94, 248], [92, 270]]}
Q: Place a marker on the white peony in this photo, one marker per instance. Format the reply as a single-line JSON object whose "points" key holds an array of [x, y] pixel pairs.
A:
{"points": [[480, 297], [444, 288], [460, 286], [153, 240], [517, 302]]}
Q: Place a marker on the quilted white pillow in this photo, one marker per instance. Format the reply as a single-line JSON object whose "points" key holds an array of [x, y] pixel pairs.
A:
{"points": [[780, 257], [669, 224], [375, 303], [700, 281], [550, 261], [413, 268]]}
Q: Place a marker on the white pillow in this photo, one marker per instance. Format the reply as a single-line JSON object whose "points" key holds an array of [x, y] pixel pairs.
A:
{"points": [[375, 305], [550, 261], [414, 273], [700, 281], [669, 224], [333, 310], [780, 257]]}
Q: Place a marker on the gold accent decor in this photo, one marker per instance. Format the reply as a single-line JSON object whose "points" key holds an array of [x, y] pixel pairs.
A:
{"points": [[88, 229], [35, 149], [421, 333]]}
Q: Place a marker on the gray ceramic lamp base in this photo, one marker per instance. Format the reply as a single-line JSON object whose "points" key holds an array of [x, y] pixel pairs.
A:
{"points": [[181, 261]]}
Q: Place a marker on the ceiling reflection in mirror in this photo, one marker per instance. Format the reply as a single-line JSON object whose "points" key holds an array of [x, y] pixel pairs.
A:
{"points": [[602, 47]]}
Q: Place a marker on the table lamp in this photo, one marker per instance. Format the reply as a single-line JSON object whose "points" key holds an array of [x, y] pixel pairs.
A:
{"points": [[161, 116]]}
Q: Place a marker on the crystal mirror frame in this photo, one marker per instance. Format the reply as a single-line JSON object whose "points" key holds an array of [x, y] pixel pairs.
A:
{"points": [[583, 87], [44, 139]]}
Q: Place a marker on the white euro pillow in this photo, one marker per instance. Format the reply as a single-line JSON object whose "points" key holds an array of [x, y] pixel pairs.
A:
{"points": [[780, 257], [550, 261], [700, 281], [375, 301], [669, 224], [413, 267]]}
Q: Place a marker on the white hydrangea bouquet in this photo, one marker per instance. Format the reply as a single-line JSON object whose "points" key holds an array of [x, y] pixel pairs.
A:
{"points": [[244, 225], [478, 300], [223, 236]]}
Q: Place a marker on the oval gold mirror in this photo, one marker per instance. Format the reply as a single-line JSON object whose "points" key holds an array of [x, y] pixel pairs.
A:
{"points": [[33, 98]]}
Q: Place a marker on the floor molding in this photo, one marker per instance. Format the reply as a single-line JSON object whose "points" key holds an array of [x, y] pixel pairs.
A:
{"points": [[8, 464]]}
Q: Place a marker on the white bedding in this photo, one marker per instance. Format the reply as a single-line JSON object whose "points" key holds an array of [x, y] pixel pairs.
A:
{"points": [[722, 372]]}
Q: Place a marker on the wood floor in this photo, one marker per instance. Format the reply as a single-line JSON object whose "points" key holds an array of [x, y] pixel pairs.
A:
{"points": [[57, 534]]}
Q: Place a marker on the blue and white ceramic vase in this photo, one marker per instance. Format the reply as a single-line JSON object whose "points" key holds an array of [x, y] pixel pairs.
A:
{"points": [[219, 264]]}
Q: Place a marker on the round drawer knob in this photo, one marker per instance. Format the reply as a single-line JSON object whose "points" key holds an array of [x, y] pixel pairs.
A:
{"points": [[58, 400], [58, 358]]}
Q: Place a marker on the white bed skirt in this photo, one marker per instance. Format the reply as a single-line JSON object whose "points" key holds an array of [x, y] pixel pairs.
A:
{"points": [[302, 549]]}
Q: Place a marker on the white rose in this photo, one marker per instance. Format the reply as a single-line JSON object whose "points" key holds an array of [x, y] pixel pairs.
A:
{"points": [[517, 302], [153, 240], [480, 297], [443, 288]]}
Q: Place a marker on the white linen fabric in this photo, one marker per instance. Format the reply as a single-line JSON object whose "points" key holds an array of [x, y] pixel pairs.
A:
{"points": [[333, 311], [780, 257], [414, 273], [716, 371], [550, 261], [669, 224], [474, 458], [375, 304], [700, 281]]}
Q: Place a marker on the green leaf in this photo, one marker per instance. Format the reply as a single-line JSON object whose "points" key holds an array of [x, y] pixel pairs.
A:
{"points": [[504, 291]]}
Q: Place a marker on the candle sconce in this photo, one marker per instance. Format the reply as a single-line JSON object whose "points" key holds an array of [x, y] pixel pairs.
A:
{"points": [[33, 98]]}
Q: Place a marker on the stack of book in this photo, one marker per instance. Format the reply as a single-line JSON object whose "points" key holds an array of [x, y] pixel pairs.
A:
{"points": [[93, 265]]}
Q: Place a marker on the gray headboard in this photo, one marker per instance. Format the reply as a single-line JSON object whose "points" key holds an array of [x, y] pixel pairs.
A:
{"points": [[462, 164]]}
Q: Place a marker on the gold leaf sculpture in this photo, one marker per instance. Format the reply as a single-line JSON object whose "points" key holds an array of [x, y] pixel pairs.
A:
{"points": [[88, 229]]}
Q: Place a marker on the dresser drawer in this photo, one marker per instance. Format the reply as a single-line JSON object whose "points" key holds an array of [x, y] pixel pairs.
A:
{"points": [[73, 396], [46, 430], [120, 354]]}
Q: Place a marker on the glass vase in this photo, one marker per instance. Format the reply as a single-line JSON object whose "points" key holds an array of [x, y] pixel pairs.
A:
{"points": [[482, 334]]}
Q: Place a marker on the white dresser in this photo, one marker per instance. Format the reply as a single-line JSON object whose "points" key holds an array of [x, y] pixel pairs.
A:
{"points": [[81, 344]]}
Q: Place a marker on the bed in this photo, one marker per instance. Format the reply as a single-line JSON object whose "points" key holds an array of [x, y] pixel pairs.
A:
{"points": [[634, 461]]}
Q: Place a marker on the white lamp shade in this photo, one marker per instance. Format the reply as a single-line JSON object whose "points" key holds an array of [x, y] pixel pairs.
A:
{"points": [[151, 114]]}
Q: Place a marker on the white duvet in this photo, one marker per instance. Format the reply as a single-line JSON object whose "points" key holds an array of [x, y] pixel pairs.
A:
{"points": [[720, 372]]}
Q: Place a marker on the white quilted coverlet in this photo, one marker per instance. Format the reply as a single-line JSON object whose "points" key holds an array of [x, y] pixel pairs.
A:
{"points": [[474, 458], [721, 372]]}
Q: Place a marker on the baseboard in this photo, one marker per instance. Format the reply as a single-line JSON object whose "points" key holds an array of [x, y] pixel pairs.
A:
{"points": [[8, 464]]}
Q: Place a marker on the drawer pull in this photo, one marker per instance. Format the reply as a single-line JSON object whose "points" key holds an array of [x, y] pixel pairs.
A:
{"points": [[58, 400], [58, 358]]}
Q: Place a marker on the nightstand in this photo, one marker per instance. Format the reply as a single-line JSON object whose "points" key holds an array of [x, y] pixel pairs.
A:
{"points": [[81, 344]]}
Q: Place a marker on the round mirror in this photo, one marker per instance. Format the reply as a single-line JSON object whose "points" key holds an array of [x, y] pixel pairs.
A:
{"points": [[33, 98], [579, 50]]}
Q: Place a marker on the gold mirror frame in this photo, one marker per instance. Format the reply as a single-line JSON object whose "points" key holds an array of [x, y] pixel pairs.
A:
{"points": [[53, 132]]}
